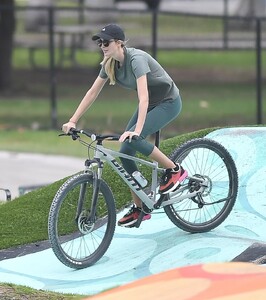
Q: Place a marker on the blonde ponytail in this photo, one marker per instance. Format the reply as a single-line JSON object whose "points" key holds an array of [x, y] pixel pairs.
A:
{"points": [[109, 67]]}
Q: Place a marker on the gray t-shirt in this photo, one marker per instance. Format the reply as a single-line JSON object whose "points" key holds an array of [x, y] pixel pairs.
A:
{"points": [[138, 63]]}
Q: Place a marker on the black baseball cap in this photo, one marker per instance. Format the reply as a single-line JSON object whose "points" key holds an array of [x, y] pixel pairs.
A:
{"points": [[109, 32]]}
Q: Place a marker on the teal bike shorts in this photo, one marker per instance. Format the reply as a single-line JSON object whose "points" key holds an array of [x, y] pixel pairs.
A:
{"points": [[157, 118]]}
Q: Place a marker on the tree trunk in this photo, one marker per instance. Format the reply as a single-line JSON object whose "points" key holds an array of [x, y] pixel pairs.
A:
{"points": [[7, 27]]}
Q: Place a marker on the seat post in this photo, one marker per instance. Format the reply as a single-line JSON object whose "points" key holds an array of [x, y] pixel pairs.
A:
{"points": [[157, 138]]}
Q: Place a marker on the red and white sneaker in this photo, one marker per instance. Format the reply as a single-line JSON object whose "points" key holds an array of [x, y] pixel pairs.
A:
{"points": [[172, 179], [131, 217]]}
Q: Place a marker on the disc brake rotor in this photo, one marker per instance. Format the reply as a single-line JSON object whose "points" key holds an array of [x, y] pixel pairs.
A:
{"points": [[84, 224]]}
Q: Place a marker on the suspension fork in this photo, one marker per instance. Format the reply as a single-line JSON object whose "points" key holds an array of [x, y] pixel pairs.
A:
{"points": [[97, 176], [81, 199], [96, 181]]}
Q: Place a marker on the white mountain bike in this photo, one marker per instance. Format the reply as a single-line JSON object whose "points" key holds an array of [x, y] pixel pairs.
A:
{"points": [[82, 216]]}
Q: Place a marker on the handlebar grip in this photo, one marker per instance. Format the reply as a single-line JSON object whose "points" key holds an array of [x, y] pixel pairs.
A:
{"points": [[74, 133]]}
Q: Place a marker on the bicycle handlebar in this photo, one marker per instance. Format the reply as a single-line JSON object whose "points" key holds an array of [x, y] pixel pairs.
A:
{"points": [[74, 133]]}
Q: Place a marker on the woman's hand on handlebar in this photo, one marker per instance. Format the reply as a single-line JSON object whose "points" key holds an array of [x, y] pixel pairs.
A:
{"points": [[67, 126], [129, 135]]}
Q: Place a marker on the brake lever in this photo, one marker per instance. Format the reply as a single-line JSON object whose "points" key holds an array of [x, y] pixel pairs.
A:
{"points": [[74, 136]]}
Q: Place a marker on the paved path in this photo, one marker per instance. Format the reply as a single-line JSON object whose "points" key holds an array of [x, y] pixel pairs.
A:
{"points": [[158, 245], [29, 169]]}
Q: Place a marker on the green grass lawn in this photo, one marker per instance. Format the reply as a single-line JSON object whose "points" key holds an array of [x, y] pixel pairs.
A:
{"points": [[217, 89], [204, 106], [230, 59]]}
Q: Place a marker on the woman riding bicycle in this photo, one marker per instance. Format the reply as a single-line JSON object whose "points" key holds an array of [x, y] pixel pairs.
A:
{"points": [[159, 103]]}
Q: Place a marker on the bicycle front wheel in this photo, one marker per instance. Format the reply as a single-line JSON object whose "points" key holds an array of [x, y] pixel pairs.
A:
{"points": [[79, 238], [208, 160]]}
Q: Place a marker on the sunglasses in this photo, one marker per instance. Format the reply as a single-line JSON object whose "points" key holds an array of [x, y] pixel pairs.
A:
{"points": [[104, 43]]}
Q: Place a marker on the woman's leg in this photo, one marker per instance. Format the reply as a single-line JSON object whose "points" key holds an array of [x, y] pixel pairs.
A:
{"points": [[156, 119], [129, 165], [162, 159]]}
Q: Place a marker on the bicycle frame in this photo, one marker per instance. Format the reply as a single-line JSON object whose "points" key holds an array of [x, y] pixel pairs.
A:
{"points": [[109, 156]]}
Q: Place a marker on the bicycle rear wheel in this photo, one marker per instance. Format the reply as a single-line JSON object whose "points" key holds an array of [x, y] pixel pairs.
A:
{"points": [[78, 239], [206, 159]]}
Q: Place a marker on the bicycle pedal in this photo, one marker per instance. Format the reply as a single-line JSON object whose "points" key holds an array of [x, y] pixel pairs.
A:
{"points": [[141, 215], [145, 209], [158, 204]]}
